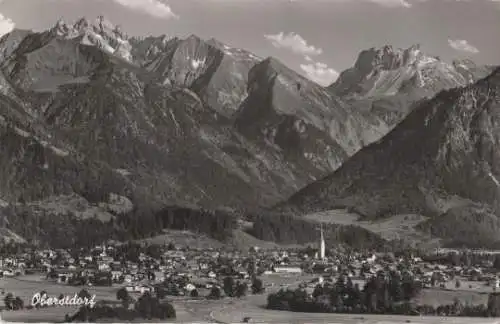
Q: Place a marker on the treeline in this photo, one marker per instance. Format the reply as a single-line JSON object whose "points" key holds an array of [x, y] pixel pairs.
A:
{"points": [[147, 307], [468, 227], [64, 230], [386, 293], [289, 229]]}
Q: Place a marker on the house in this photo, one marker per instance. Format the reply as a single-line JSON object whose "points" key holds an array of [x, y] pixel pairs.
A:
{"points": [[159, 276], [189, 287], [116, 274], [287, 269], [128, 278], [243, 274], [63, 277], [142, 289], [103, 266], [495, 283], [9, 273]]}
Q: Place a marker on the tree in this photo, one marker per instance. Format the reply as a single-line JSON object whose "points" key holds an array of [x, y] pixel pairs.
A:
{"points": [[257, 286], [494, 304], [83, 314], [396, 289], [160, 292], [318, 291], [457, 284], [8, 300], [241, 289], [169, 310], [84, 294], [154, 251], [215, 293], [340, 284], [123, 296], [433, 280], [18, 303], [496, 262], [228, 286], [145, 305]]}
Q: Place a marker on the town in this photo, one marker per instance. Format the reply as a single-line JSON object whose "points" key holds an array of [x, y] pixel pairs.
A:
{"points": [[124, 274]]}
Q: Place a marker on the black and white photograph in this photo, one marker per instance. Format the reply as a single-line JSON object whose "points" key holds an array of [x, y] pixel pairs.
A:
{"points": [[250, 161]]}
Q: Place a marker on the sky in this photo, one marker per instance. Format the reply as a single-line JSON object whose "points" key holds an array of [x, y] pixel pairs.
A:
{"points": [[317, 38]]}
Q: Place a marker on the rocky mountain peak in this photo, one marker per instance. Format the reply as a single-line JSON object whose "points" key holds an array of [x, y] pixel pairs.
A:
{"points": [[82, 23], [100, 25], [99, 32], [387, 58], [386, 71]]}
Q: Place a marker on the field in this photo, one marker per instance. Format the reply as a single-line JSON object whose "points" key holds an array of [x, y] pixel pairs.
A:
{"points": [[25, 287], [395, 227], [234, 310], [253, 306], [240, 240], [185, 238]]}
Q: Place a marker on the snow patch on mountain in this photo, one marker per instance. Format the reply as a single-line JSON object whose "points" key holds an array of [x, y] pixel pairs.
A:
{"points": [[197, 63], [495, 180]]}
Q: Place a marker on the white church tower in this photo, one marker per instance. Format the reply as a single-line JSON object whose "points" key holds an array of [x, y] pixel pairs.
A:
{"points": [[322, 245]]}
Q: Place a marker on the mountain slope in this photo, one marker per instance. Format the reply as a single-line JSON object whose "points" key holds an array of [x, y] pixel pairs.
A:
{"points": [[177, 121], [301, 119], [442, 157]]}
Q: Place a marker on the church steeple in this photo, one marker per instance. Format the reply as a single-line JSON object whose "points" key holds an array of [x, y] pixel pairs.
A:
{"points": [[322, 245]]}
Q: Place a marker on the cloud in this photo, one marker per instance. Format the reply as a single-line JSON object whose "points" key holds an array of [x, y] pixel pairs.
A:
{"points": [[320, 73], [392, 3], [385, 3], [6, 25], [155, 8], [463, 46], [293, 42]]}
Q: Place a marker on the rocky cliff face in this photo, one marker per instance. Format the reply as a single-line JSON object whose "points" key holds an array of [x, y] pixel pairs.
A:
{"points": [[387, 82], [301, 119], [442, 158]]}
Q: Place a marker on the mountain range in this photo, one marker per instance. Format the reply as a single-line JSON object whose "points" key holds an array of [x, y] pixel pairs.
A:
{"points": [[441, 161], [86, 110]]}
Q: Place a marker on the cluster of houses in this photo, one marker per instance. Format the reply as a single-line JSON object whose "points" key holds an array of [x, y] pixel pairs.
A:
{"points": [[188, 269], [360, 267], [185, 269]]}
